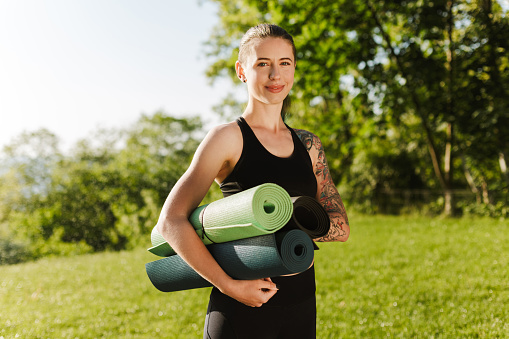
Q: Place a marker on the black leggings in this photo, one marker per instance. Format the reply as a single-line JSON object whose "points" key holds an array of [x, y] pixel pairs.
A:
{"points": [[290, 313], [229, 319]]}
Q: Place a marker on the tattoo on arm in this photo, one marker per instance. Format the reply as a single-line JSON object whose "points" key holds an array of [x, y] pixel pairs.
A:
{"points": [[306, 138], [329, 196]]}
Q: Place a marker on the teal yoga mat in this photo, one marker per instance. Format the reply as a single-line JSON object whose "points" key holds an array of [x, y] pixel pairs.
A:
{"points": [[253, 258], [263, 209]]}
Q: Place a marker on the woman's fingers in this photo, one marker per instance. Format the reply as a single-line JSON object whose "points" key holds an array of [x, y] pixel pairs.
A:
{"points": [[253, 293], [269, 285]]}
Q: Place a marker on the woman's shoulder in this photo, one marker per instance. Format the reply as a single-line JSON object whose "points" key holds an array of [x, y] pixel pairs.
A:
{"points": [[226, 132], [307, 138], [223, 138]]}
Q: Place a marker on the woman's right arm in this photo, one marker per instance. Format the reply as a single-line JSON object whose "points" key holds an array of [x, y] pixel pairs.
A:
{"points": [[212, 156]]}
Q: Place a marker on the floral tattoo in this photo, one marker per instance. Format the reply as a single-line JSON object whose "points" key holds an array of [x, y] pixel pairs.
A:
{"points": [[328, 195]]}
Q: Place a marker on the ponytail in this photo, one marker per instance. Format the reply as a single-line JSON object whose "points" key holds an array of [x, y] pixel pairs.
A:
{"points": [[285, 110]]}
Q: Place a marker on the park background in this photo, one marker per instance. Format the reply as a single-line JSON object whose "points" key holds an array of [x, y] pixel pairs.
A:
{"points": [[408, 97]]}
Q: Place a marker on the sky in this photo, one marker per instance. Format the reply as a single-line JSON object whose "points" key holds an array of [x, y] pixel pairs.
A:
{"points": [[75, 66]]}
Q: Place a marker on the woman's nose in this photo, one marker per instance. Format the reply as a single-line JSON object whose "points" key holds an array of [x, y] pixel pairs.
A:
{"points": [[274, 73]]}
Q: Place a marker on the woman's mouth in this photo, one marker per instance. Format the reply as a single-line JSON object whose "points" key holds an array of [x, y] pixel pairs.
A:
{"points": [[275, 88]]}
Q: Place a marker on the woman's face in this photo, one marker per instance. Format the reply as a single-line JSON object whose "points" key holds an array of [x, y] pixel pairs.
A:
{"points": [[269, 69]]}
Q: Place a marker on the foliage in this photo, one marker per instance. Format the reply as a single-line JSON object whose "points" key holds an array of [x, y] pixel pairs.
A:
{"points": [[106, 194], [498, 210], [386, 82], [406, 96], [404, 277], [12, 252]]}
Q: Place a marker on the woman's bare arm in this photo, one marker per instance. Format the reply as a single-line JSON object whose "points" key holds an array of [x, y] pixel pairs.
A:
{"points": [[327, 193], [210, 158]]}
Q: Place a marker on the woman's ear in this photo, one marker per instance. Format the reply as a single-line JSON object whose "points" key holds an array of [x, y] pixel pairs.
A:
{"points": [[240, 71]]}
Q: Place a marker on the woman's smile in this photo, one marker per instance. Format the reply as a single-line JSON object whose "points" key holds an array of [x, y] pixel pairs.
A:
{"points": [[275, 88]]}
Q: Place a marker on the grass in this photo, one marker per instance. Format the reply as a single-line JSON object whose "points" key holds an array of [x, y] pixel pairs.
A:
{"points": [[403, 277]]}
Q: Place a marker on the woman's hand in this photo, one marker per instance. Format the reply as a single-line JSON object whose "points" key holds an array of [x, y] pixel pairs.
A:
{"points": [[252, 293]]}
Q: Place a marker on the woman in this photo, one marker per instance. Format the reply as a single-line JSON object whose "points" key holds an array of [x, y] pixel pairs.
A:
{"points": [[257, 148]]}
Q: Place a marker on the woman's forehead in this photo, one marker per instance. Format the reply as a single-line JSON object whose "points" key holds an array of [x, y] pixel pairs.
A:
{"points": [[270, 47]]}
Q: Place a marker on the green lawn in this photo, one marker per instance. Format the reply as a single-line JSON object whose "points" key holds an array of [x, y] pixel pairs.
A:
{"points": [[405, 277]]}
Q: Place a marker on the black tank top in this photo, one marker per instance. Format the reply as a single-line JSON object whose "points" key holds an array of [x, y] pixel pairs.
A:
{"points": [[256, 166]]}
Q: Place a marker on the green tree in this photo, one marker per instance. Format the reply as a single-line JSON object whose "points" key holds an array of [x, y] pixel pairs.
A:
{"points": [[375, 68], [158, 149], [25, 170], [482, 94], [111, 195], [105, 194]]}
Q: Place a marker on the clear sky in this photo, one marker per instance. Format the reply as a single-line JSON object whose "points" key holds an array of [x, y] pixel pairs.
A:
{"points": [[71, 66]]}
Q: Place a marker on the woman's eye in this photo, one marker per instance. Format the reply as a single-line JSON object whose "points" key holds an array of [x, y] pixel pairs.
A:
{"points": [[285, 63], [262, 64]]}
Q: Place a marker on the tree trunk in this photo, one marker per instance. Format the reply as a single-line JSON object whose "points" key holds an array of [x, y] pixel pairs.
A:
{"points": [[503, 166], [485, 193], [470, 180], [448, 157], [448, 195]]}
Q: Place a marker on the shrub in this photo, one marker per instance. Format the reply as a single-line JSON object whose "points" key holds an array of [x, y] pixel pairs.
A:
{"points": [[13, 252]]}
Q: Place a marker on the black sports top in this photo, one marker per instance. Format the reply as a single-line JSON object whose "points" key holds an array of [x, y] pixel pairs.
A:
{"points": [[256, 166]]}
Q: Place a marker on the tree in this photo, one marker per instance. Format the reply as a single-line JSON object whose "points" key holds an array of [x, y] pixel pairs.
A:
{"points": [[376, 67], [105, 194], [26, 166]]}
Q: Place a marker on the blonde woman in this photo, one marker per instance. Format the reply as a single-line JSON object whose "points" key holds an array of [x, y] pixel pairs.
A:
{"points": [[256, 148]]}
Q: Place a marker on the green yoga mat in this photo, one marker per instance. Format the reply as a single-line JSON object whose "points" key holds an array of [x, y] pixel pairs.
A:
{"points": [[253, 258], [263, 209], [308, 215]]}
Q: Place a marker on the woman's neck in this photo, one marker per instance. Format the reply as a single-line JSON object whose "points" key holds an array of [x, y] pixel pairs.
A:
{"points": [[264, 116]]}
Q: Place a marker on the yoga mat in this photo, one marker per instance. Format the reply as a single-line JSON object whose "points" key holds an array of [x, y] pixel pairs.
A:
{"points": [[309, 216], [260, 210], [253, 258]]}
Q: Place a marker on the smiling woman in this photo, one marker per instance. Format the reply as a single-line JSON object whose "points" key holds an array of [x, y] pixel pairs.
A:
{"points": [[252, 39], [255, 149]]}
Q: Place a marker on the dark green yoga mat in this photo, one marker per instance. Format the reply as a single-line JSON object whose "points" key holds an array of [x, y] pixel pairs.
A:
{"points": [[253, 258], [263, 209]]}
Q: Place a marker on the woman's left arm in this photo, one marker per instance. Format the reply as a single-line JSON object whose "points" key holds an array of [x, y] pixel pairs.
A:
{"points": [[327, 193]]}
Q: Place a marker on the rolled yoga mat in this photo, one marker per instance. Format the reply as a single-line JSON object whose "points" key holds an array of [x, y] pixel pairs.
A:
{"points": [[309, 216], [260, 210], [253, 258]]}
